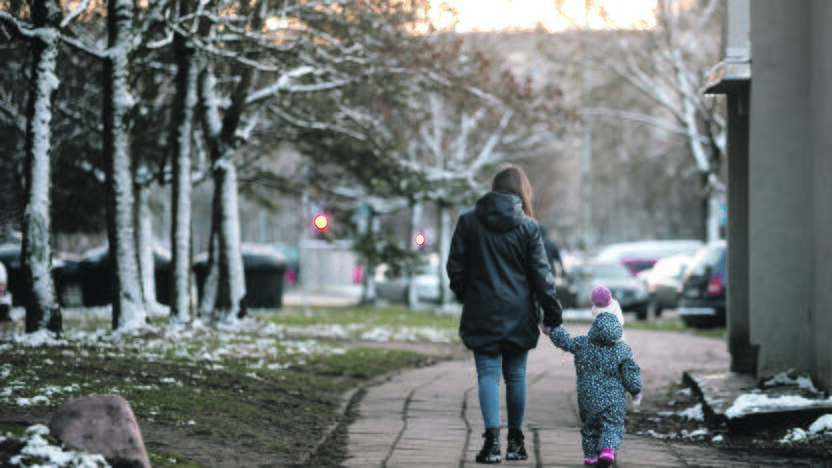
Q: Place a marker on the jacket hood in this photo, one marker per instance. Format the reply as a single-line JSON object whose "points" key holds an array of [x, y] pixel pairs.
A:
{"points": [[605, 329], [499, 211]]}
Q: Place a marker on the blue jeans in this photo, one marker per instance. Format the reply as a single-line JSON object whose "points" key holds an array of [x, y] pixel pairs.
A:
{"points": [[513, 368]]}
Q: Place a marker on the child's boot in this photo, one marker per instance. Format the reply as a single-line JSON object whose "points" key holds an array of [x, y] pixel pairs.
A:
{"points": [[607, 458], [516, 449], [490, 452], [590, 460]]}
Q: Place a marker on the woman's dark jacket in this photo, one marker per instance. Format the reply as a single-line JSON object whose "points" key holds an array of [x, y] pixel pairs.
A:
{"points": [[497, 268]]}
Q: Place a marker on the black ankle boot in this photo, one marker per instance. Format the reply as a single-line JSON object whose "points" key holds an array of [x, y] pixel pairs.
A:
{"points": [[515, 449], [490, 452]]}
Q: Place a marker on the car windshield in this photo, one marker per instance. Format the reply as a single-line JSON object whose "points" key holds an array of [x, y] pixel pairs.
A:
{"points": [[671, 266], [707, 257], [648, 249], [608, 270]]}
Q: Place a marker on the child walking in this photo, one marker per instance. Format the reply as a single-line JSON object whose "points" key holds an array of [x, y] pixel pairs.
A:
{"points": [[606, 371]]}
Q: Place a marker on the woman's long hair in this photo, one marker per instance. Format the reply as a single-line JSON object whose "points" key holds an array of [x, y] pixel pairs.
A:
{"points": [[512, 179]]}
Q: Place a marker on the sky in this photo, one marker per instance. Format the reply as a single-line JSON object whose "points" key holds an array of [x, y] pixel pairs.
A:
{"points": [[554, 15]]}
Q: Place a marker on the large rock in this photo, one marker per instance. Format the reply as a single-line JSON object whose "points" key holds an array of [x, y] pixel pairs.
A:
{"points": [[102, 424]]}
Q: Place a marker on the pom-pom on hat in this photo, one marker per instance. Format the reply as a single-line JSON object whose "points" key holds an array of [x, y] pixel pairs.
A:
{"points": [[601, 296]]}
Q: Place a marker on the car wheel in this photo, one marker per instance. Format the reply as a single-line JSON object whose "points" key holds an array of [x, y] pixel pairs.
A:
{"points": [[641, 312]]}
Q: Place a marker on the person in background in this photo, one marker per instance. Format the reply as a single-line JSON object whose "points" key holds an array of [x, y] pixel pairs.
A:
{"points": [[552, 251], [498, 270]]}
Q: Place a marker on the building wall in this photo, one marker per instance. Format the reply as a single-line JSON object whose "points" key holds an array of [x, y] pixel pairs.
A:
{"points": [[781, 169], [821, 98]]}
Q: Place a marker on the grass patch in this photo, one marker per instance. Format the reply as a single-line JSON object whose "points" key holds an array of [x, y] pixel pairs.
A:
{"points": [[675, 326], [256, 385], [167, 458], [389, 316]]}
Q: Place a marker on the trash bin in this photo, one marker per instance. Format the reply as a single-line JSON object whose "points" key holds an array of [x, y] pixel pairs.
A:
{"points": [[98, 279], [264, 270], [64, 275], [10, 256], [68, 282]]}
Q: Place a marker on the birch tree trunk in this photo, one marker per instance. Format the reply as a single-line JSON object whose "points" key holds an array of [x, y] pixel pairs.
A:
{"points": [[230, 301], [222, 300], [145, 248], [42, 311], [128, 310], [368, 291], [444, 237], [180, 143], [221, 135], [415, 222]]}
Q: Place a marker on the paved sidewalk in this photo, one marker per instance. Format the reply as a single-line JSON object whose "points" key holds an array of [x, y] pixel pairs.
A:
{"points": [[431, 417]]}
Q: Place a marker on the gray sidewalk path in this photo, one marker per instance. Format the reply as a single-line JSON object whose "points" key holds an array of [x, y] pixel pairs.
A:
{"points": [[430, 417]]}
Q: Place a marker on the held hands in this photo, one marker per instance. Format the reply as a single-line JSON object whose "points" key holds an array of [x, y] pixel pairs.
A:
{"points": [[637, 401], [545, 330]]}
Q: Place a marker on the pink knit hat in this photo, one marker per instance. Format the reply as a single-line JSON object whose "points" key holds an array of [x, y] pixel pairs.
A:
{"points": [[601, 296]]}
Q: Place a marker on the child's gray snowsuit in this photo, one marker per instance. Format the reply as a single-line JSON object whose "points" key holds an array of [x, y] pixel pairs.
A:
{"points": [[606, 369]]}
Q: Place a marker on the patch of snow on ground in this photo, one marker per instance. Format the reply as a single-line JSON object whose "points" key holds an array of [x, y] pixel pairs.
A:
{"points": [[794, 435], [697, 434], [717, 439], [822, 425], [785, 378], [753, 403], [694, 414], [37, 447]]}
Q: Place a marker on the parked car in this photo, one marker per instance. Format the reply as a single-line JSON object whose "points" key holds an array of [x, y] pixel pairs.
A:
{"points": [[705, 286], [393, 289], [642, 255], [664, 283], [5, 295], [628, 290]]}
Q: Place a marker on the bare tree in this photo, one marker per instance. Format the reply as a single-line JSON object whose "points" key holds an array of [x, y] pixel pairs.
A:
{"points": [[44, 35], [180, 148], [128, 306], [667, 64]]}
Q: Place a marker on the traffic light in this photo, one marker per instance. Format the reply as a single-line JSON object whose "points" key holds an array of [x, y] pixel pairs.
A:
{"points": [[321, 222], [420, 239]]}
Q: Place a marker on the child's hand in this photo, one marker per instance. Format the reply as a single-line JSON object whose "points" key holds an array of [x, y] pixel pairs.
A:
{"points": [[637, 400], [545, 330]]}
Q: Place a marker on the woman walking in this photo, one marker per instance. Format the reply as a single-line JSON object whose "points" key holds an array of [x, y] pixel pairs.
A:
{"points": [[499, 271]]}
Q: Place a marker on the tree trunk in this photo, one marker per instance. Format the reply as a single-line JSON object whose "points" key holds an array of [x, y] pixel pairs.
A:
{"points": [[221, 136], [415, 223], [444, 237], [180, 143], [128, 310], [143, 221], [368, 290], [230, 302], [42, 311]]}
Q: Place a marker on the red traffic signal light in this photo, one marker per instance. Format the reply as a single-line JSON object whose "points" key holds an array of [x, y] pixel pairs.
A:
{"points": [[420, 239], [321, 222]]}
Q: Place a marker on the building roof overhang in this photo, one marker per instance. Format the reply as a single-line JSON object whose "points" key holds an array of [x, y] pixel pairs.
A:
{"points": [[728, 76]]}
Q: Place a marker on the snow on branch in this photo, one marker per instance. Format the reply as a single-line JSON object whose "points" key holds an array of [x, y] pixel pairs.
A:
{"points": [[17, 28], [642, 118], [81, 47], [82, 6], [308, 124]]}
